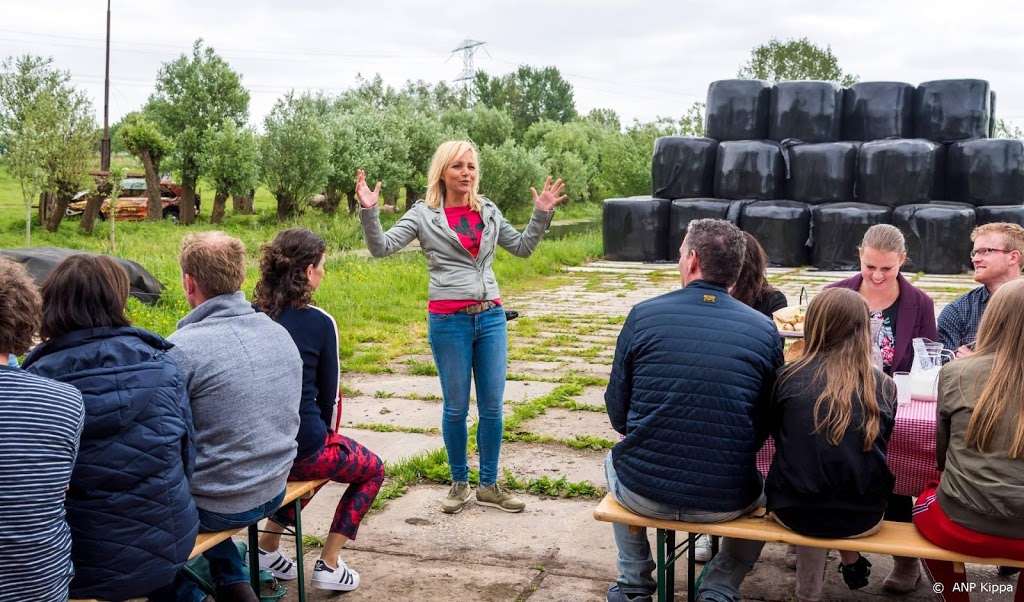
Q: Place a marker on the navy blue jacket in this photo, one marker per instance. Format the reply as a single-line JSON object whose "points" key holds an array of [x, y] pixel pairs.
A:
{"points": [[689, 389], [132, 518]]}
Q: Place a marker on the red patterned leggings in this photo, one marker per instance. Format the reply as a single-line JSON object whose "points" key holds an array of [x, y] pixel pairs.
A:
{"points": [[341, 460]]}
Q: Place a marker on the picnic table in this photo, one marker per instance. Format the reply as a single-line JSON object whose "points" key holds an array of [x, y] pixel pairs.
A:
{"points": [[911, 454]]}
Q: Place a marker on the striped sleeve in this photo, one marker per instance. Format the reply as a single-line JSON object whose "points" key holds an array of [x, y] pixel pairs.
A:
{"points": [[40, 426]]}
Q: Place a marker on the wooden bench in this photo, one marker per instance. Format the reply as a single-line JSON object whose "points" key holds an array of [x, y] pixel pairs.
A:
{"points": [[896, 539], [295, 492]]}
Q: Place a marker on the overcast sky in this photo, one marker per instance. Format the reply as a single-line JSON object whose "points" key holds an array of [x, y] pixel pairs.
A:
{"points": [[642, 58]]}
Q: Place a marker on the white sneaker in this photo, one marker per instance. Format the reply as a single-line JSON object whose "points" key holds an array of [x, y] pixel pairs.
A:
{"points": [[702, 548], [280, 565], [341, 579]]}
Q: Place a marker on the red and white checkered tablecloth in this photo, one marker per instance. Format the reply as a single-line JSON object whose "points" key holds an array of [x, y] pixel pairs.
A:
{"points": [[911, 448]]}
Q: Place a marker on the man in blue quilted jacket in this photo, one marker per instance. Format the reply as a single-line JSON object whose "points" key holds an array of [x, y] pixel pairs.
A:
{"points": [[692, 375]]}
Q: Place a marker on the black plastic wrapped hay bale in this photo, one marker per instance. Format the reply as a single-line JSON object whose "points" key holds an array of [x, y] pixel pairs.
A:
{"points": [[992, 114], [636, 229], [837, 230], [878, 110], [782, 228], [938, 236], [986, 172], [749, 169], [892, 173], [809, 111], [686, 210], [940, 189], [821, 173], [950, 110], [737, 109], [988, 215], [683, 167]]}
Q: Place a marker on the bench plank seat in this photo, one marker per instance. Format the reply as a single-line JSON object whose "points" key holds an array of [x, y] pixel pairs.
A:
{"points": [[895, 539]]}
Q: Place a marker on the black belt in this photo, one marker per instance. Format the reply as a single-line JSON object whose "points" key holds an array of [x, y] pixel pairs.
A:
{"points": [[478, 308]]}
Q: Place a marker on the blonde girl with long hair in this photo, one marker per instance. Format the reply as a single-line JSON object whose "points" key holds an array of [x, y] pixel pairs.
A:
{"points": [[977, 507], [459, 231], [831, 415]]}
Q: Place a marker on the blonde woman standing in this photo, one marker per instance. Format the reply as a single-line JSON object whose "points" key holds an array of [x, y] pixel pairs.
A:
{"points": [[831, 416], [459, 230]]}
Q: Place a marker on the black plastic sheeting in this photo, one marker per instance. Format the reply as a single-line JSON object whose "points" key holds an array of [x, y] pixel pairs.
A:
{"points": [[938, 236], [820, 173], [837, 230], [749, 169], [878, 110], [992, 114], [737, 109], [809, 111], [636, 229], [40, 261], [940, 188], [686, 210], [683, 167], [988, 215], [986, 172], [949, 110], [782, 228], [892, 173]]}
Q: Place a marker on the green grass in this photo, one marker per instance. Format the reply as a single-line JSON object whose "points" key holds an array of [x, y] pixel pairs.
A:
{"points": [[379, 304]]}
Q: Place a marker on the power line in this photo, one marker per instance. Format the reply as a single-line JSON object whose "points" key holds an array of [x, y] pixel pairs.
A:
{"points": [[468, 48]]}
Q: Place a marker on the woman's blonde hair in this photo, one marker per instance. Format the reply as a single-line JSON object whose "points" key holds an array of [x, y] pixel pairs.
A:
{"points": [[1001, 403], [444, 156], [837, 331], [884, 237]]}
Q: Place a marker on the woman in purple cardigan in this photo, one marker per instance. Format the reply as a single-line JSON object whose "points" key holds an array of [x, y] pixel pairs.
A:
{"points": [[907, 313]]}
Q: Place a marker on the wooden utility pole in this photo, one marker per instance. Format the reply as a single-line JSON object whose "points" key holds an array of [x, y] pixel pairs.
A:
{"points": [[105, 145]]}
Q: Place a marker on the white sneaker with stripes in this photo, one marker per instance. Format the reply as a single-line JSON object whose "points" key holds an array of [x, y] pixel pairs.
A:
{"points": [[341, 579], [280, 565]]}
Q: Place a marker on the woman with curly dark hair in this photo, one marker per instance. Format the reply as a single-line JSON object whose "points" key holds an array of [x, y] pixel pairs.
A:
{"points": [[291, 269]]}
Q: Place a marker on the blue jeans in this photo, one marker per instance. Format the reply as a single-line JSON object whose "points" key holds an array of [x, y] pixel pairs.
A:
{"points": [[636, 564], [473, 347], [226, 566]]}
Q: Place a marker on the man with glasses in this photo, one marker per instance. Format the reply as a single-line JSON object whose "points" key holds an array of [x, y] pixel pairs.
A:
{"points": [[997, 260]]}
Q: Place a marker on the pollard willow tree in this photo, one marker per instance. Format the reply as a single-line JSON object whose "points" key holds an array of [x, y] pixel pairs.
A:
{"points": [[143, 139], [50, 133], [195, 95], [230, 161], [294, 153]]}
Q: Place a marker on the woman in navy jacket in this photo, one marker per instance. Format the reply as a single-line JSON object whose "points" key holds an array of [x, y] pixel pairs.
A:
{"points": [[132, 518]]}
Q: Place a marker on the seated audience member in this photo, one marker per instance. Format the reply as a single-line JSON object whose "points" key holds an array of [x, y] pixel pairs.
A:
{"points": [[133, 521], [40, 424], [752, 287], [977, 507], [996, 257], [244, 377], [907, 313], [831, 416], [291, 268], [689, 389]]}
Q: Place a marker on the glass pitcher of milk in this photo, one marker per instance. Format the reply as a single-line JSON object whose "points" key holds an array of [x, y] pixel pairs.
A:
{"points": [[924, 373]]}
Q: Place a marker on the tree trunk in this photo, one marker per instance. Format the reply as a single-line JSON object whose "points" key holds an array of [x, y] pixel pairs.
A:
{"points": [[411, 196], [92, 211], [56, 211], [286, 206], [219, 202], [352, 203], [332, 200], [236, 203], [44, 206], [154, 208], [391, 201], [187, 207], [241, 203]]}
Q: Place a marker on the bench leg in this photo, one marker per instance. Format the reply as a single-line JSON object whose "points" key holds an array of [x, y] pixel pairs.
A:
{"points": [[298, 550], [662, 585], [254, 557], [691, 568]]}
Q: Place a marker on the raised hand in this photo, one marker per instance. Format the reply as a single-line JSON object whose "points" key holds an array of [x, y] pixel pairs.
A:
{"points": [[548, 197], [367, 198]]}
